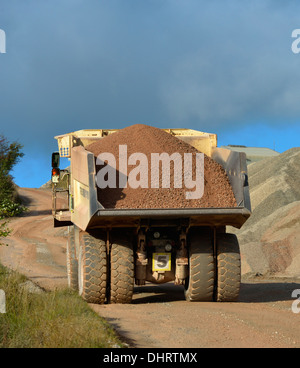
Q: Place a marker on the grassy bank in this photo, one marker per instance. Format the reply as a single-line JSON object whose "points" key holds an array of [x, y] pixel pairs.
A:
{"points": [[58, 319]]}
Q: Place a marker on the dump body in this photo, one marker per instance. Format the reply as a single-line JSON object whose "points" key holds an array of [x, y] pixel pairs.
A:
{"points": [[87, 212]]}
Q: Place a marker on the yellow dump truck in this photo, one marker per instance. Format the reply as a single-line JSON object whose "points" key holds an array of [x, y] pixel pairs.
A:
{"points": [[111, 250]]}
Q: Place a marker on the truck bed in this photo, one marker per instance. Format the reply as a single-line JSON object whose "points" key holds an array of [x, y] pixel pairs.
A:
{"points": [[88, 212]]}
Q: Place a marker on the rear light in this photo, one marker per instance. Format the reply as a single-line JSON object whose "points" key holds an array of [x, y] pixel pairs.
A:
{"points": [[55, 175]]}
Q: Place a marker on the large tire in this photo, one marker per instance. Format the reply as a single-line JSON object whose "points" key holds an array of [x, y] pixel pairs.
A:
{"points": [[72, 262], [229, 268], [121, 272], [200, 283], [92, 269]]}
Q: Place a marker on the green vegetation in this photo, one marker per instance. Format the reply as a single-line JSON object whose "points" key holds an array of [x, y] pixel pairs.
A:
{"points": [[10, 154], [4, 231], [10, 206], [58, 319]]}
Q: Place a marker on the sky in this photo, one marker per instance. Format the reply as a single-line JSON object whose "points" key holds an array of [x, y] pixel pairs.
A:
{"points": [[219, 66]]}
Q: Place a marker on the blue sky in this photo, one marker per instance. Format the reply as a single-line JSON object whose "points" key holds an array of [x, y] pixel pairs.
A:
{"points": [[218, 66]]}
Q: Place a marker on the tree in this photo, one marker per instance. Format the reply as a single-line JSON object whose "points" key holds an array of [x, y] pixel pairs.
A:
{"points": [[10, 154]]}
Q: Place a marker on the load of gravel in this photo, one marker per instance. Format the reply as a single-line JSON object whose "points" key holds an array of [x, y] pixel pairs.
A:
{"points": [[147, 140]]}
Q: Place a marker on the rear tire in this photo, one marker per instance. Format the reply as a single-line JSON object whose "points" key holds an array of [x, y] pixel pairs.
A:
{"points": [[121, 272], [92, 269], [72, 262], [200, 283], [229, 268]]}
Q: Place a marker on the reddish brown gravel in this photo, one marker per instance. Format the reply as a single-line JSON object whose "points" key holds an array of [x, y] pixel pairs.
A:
{"points": [[146, 139]]}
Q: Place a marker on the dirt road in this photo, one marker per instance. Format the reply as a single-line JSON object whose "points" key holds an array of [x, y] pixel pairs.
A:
{"points": [[159, 316], [35, 248]]}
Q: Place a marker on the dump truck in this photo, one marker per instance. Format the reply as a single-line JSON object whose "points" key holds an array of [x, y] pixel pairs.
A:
{"points": [[110, 250]]}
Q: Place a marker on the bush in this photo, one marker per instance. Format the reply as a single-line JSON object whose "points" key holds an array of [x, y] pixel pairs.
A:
{"points": [[4, 231], [10, 153], [8, 208]]}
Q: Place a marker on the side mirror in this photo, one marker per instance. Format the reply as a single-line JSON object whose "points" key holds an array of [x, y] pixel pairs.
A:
{"points": [[55, 160]]}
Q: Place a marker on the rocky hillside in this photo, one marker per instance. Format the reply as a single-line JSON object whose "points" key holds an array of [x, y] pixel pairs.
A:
{"points": [[270, 239]]}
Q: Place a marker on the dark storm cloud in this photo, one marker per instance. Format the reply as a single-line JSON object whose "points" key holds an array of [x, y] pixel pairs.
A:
{"points": [[242, 70]]}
